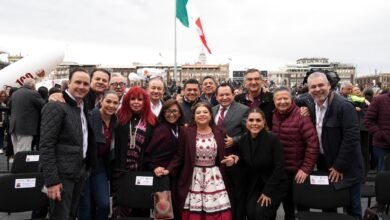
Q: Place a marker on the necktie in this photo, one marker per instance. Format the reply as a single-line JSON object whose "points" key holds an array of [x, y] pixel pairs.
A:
{"points": [[221, 117]]}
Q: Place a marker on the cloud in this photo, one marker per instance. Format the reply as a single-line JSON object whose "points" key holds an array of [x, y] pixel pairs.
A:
{"points": [[263, 34]]}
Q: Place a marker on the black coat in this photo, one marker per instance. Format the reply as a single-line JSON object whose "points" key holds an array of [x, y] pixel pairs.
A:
{"points": [[264, 164], [340, 140], [25, 105], [61, 143], [121, 147], [266, 104]]}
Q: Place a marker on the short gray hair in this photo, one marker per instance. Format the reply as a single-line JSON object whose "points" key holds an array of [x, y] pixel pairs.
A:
{"points": [[345, 84], [29, 82], [315, 75]]}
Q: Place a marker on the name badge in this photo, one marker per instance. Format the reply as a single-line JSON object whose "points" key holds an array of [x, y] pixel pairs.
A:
{"points": [[25, 183], [319, 180], [32, 158], [144, 181]]}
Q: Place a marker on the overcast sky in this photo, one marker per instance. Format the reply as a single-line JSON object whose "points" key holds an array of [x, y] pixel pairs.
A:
{"points": [[265, 34]]}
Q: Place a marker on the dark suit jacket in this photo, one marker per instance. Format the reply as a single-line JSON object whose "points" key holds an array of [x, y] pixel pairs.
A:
{"points": [[182, 164], [234, 121], [25, 105], [264, 163]]}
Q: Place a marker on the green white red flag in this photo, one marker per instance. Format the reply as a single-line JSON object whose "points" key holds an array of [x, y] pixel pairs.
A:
{"points": [[186, 17]]}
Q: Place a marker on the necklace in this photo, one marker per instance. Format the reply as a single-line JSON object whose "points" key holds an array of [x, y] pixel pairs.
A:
{"points": [[133, 136]]}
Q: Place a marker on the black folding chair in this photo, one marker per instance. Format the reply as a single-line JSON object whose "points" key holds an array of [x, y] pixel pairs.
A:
{"points": [[22, 192], [26, 162], [136, 190], [320, 197]]}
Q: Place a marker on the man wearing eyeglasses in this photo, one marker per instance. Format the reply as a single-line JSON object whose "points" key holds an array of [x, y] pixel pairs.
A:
{"points": [[257, 95], [118, 84]]}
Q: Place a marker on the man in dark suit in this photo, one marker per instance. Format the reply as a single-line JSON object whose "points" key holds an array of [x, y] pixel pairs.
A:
{"points": [[25, 105], [231, 116], [338, 133]]}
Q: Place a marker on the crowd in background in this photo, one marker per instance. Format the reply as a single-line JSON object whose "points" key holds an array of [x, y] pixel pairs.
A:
{"points": [[232, 151]]}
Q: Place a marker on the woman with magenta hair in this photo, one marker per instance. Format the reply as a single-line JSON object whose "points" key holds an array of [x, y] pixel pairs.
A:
{"points": [[132, 135]]}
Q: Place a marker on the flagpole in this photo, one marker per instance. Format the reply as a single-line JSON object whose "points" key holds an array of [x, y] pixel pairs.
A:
{"points": [[175, 48]]}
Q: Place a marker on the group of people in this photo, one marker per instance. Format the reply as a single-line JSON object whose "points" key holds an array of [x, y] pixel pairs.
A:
{"points": [[229, 155]]}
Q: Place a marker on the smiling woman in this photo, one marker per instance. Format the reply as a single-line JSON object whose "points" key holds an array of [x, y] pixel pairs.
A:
{"points": [[96, 189], [261, 154], [132, 135]]}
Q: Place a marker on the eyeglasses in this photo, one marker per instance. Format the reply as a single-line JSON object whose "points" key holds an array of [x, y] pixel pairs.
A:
{"points": [[169, 111], [121, 84]]}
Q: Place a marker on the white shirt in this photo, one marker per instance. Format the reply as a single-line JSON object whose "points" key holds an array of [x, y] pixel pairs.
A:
{"points": [[219, 113], [156, 109], [320, 113], [84, 125]]}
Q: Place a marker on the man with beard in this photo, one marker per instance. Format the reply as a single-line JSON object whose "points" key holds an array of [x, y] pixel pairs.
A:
{"points": [[338, 134]]}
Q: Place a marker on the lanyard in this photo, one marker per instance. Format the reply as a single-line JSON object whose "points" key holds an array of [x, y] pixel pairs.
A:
{"points": [[175, 133]]}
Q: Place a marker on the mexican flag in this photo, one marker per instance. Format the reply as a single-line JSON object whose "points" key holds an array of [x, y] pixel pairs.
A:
{"points": [[186, 17]]}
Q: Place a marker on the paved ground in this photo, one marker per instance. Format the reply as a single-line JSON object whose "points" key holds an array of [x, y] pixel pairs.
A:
{"points": [[25, 215]]}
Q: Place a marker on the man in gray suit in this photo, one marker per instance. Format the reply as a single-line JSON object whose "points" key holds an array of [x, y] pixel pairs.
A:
{"points": [[231, 116], [25, 105]]}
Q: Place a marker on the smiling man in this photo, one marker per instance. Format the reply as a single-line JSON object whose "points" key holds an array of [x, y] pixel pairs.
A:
{"points": [[231, 116], [99, 84], [156, 93], [338, 133], [191, 97], [209, 86], [257, 95], [67, 147]]}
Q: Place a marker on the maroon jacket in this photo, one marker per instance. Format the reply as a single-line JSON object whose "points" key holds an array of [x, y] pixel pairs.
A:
{"points": [[377, 120], [183, 163], [299, 139]]}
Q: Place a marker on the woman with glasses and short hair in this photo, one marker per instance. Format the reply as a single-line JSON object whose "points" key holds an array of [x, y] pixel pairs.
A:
{"points": [[163, 145]]}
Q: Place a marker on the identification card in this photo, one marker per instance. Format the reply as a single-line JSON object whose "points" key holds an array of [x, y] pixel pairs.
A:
{"points": [[319, 180], [144, 181], [32, 158], [25, 183]]}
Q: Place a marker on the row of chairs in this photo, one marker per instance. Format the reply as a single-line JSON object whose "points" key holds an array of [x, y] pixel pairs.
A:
{"points": [[25, 181], [21, 190]]}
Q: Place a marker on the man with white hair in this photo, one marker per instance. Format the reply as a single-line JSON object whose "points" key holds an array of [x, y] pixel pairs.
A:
{"points": [[118, 84], [25, 105], [338, 133], [346, 89]]}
